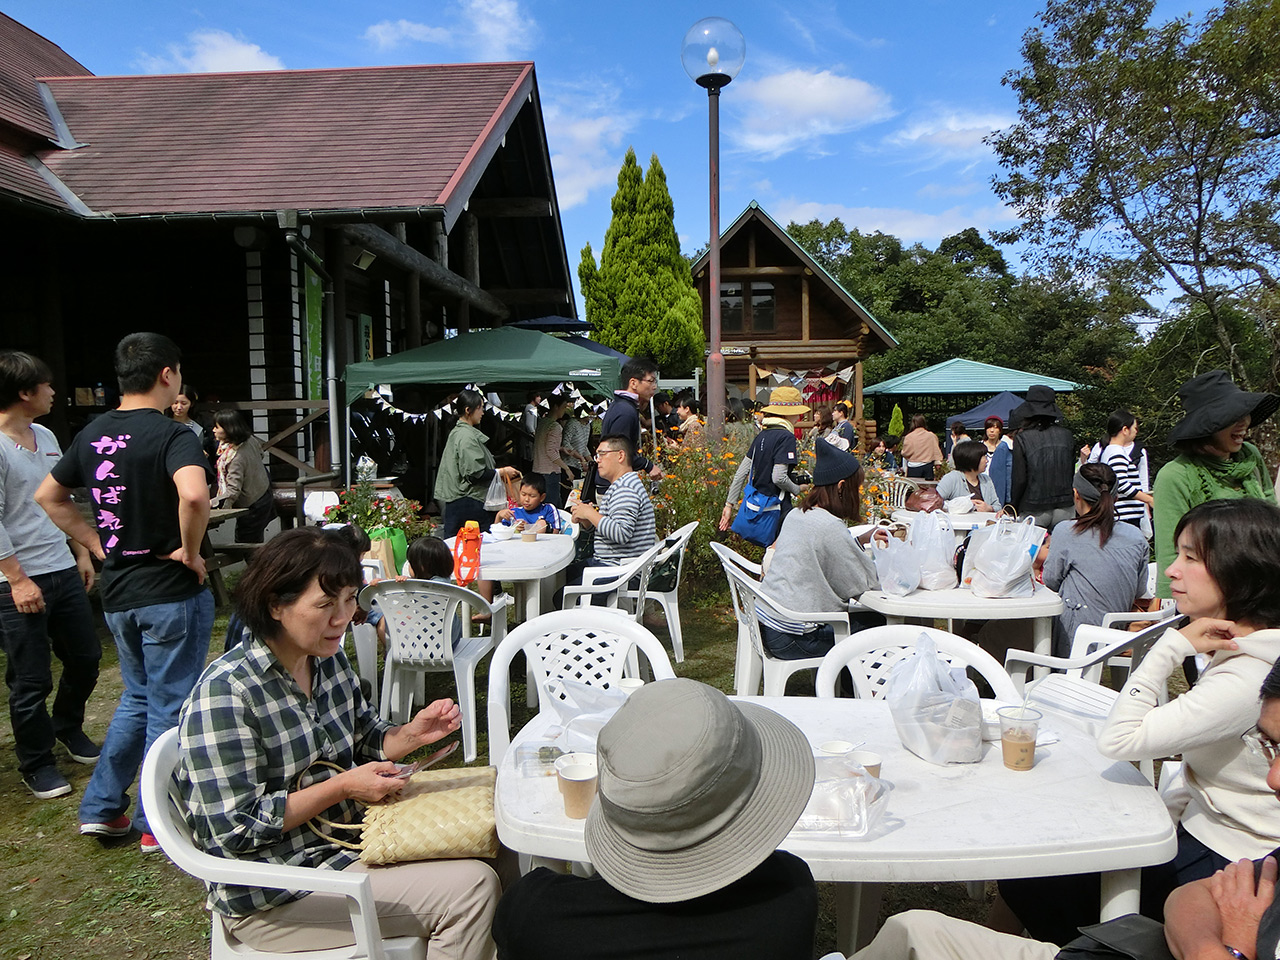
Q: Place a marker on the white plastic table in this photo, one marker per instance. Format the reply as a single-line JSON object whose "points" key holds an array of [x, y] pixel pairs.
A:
{"points": [[1074, 812], [960, 603]]}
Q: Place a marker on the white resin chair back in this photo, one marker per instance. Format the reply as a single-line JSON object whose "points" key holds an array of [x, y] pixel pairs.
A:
{"points": [[585, 645], [871, 654]]}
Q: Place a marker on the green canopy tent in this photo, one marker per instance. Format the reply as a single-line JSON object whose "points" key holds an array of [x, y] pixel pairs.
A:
{"points": [[502, 355]]}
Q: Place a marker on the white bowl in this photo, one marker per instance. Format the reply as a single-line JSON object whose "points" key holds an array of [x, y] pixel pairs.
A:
{"points": [[502, 531]]}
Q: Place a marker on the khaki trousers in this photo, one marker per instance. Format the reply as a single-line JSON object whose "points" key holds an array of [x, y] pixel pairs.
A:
{"points": [[448, 902], [927, 935]]}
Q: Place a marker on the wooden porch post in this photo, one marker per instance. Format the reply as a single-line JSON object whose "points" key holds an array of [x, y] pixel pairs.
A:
{"points": [[804, 308], [857, 396], [751, 382]]}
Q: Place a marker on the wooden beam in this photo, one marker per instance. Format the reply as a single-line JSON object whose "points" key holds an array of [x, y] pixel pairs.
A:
{"points": [[379, 241], [510, 207], [804, 309], [545, 295], [751, 382], [748, 272]]}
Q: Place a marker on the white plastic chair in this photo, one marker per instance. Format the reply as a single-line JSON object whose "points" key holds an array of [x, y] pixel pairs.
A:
{"points": [[609, 581], [1077, 694], [747, 593], [669, 600], [419, 615], [870, 654], [569, 528], [164, 819], [746, 665], [899, 489], [586, 645], [372, 570], [364, 640]]}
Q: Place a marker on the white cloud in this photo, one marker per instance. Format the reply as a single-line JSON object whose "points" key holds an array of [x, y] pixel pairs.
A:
{"points": [[798, 108], [909, 226], [948, 134], [395, 33], [485, 30], [211, 51], [585, 134]]}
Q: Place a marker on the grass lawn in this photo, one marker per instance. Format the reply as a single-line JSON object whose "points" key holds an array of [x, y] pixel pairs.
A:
{"points": [[66, 896]]}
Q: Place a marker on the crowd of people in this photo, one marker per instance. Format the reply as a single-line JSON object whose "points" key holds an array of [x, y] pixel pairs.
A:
{"points": [[695, 792]]}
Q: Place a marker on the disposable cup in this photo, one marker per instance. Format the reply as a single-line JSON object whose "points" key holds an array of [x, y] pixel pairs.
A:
{"points": [[573, 759], [1018, 729], [578, 785], [630, 685], [867, 760], [528, 536], [835, 748]]}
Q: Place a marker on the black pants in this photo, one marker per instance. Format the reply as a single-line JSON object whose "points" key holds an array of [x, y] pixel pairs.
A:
{"points": [[458, 512], [65, 628], [250, 526]]}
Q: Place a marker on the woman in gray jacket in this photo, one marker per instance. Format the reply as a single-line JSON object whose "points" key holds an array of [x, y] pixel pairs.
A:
{"points": [[243, 481]]}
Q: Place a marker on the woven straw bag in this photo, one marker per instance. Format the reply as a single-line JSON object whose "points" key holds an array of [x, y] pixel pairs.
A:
{"points": [[439, 815]]}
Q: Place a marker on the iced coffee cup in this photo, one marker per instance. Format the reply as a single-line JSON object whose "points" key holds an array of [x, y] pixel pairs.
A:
{"points": [[1018, 729]]}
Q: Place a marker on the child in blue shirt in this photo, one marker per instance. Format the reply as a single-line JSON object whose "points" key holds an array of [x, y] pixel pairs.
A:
{"points": [[534, 512]]}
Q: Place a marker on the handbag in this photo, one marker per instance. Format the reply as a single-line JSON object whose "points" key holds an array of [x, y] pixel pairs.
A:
{"points": [[759, 515], [439, 815], [924, 500], [584, 547], [1134, 937]]}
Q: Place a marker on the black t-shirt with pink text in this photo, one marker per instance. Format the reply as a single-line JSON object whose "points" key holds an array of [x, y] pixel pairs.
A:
{"points": [[127, 460]]}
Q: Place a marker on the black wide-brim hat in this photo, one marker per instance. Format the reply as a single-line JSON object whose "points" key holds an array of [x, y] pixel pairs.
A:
{"points": [[1213, 402], [1041, 401]]}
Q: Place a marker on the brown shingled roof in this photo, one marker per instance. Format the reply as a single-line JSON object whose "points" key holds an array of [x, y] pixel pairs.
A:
{"points": [[300, 139], [24, 54], [17, 176]]}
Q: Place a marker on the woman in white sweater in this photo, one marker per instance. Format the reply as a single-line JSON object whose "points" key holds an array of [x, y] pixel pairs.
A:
{"points": [[1226, 578]]}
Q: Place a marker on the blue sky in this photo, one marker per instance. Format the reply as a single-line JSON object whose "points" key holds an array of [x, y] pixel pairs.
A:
{"points": [[871, 112]]}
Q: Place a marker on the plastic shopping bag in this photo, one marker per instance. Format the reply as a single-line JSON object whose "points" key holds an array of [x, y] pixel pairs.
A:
{"points": [[896, 566], [496, 498], [999, 558], [934, 542], [934, 707]]}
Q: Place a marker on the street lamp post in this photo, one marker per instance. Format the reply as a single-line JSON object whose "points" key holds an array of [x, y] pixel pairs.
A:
{"points": [[712, 53]]}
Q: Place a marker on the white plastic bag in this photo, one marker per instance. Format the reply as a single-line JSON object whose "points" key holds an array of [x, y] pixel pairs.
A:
{"points": [[999, 558], [896, 566], [934, 542], [496, 498], [934, 707]]}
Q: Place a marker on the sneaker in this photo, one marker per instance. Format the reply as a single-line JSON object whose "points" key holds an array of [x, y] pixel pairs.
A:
{"points": [[111, 828], [81, 748], [47, 783], [149, 844]]}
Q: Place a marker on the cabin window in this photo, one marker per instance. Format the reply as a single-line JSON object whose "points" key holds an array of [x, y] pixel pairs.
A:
{"points": [[762, 306], [731, 307]]}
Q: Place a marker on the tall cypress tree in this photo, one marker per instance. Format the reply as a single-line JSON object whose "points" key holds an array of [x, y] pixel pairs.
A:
{"points": [[641, 300]]}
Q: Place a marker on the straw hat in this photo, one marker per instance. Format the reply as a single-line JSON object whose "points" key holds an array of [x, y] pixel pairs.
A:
{"points": [[695, 791], [786, 402], [1213, 402]]}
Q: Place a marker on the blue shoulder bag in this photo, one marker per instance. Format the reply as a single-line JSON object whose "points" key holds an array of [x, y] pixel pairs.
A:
{"points": [[759, 516]]}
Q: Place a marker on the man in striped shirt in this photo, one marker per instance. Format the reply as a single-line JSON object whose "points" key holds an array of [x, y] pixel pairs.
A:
{"points": [[624, 521]]}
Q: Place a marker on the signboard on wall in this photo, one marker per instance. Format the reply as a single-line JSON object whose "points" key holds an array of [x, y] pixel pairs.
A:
{"points": [[313, 341]]}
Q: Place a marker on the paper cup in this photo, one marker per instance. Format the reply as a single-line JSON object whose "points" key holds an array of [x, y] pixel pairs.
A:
{"points": [[528, 536], [573, 759], [867, 760], [835, 748], [630, 685], [578, 785]]}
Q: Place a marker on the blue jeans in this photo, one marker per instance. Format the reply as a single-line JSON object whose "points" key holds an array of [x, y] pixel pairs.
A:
{"points": [[162, 650], [65, 628]]}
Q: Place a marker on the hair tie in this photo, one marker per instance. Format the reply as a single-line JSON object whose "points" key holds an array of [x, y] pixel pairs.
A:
{"points": [[1088, 492]]}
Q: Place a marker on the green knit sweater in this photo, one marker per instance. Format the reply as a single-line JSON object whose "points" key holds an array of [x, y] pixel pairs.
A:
{"points": [[1191, 480]]}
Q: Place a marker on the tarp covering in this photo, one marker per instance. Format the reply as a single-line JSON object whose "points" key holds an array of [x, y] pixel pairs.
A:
{"points": [[1001, 405], [502, 355]]}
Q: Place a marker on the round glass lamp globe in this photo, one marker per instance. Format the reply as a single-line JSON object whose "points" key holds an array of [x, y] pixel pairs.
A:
{"points": [[713, 52]]}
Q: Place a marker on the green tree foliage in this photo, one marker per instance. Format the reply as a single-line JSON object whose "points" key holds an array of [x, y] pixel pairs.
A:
{"points": [[1155, 150], [641, 299], [896, 424]]}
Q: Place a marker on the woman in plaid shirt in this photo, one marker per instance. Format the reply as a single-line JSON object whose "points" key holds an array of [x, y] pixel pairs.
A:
{"points": [[267, 710]]}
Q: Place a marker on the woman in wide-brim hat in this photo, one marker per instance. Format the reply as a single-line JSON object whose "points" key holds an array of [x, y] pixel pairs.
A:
{"points": [[771, 455], [1214, 460]]}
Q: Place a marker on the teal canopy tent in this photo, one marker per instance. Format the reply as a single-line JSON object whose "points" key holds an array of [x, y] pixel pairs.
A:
{"points": [[504, 355]]}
